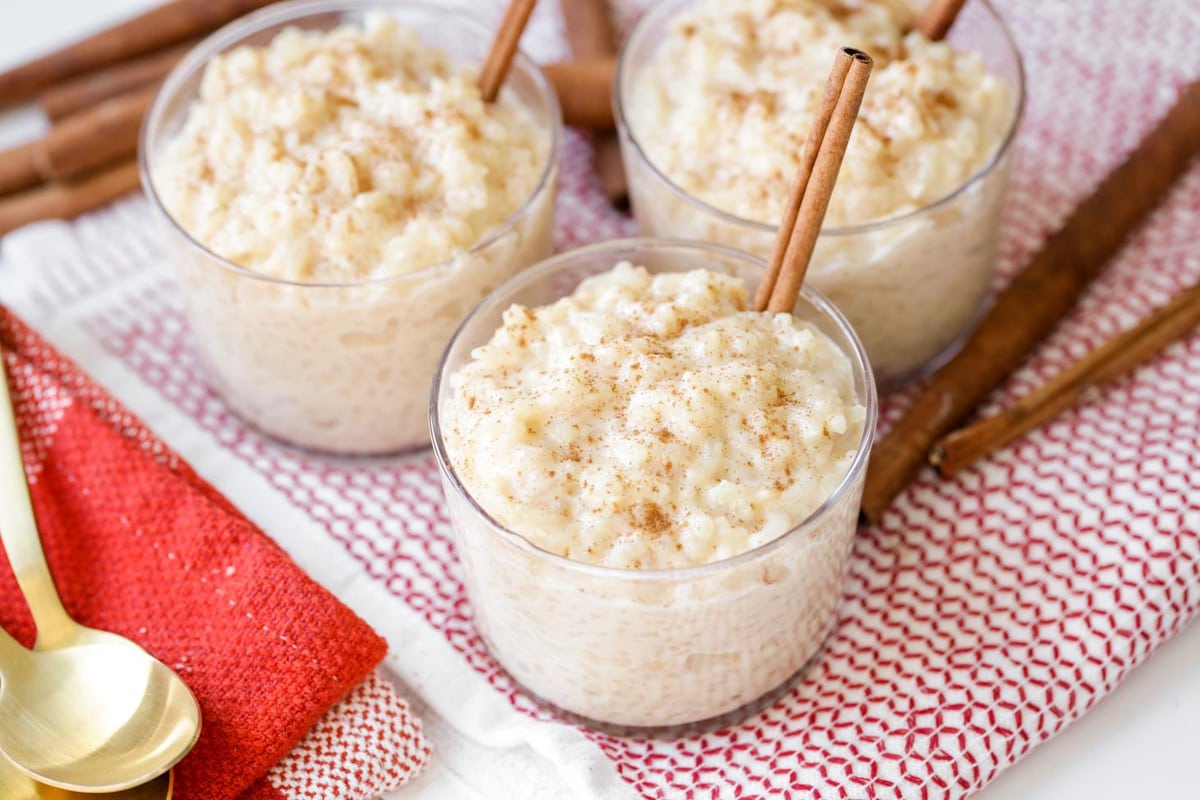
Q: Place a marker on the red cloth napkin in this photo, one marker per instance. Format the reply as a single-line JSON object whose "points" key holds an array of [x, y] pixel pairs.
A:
{"points": [[142, 546]]}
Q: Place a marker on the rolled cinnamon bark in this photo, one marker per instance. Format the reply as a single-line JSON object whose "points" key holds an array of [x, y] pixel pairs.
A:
{"points": [[1114, 358], [610, 171], [584, 89], [80, 94], [938, 17], [589, 28], [792, 227], [19, 169], [65, 200], [591, 35], [504, 47], [1036, 300], [145, 33], [102, 135]]}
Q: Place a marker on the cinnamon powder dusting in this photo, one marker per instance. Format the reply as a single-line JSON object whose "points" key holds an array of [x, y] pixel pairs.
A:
{"points": [[649, 517], [688, 459]]}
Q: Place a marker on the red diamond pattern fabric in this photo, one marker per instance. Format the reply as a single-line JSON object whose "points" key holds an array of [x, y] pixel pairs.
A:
{"points": [[984, 613]]}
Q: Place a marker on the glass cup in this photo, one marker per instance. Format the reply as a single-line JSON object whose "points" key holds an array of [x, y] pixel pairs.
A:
{"points": [[343, 367], [913, 285], [651, 648]]}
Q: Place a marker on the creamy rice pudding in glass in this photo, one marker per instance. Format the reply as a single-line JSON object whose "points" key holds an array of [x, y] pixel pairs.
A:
{"points": [[654, 490], [337, 197], [714, 99]]}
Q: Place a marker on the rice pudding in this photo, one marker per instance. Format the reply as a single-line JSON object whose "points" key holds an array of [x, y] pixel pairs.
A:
{"points": [[354, 197], [680, 472], [716, 99], [652, 421]]}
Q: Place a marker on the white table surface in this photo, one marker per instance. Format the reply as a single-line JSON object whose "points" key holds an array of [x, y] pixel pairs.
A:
{"points": [[1142, 741]]}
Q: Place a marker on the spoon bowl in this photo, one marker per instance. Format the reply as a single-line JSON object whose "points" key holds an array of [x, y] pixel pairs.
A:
{"points": [[102, 697], [16, 785]]}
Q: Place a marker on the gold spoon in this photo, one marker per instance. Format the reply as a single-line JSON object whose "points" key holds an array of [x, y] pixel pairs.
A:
{"points": [[85, 710], [16, 785]]}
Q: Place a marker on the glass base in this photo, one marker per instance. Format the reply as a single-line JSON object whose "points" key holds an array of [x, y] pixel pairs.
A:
{"points": [[681, 730], [415, 448], [889, 384]]}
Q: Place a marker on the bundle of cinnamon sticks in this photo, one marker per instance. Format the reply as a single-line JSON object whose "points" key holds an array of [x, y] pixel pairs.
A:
{"points": [[97, 91]]}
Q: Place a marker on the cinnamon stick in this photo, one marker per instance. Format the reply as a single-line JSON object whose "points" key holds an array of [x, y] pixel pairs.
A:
{"points": [[19, 168], [101, 135], [65, 200], [589, 28], [160, 27], [584, 90], [79, 94], [504, 47], [1037, 298], [610, 172], [79, 144], [591, 35], [1109, 361], [820, 162], [938, 17], [808, 159]]}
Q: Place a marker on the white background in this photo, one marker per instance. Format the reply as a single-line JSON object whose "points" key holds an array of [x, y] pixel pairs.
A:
{"points": [[1143, 741]]}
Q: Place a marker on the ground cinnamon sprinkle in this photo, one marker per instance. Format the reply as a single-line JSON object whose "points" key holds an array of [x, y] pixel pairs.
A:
{"points": [[649, 517], [699, 428], [717, 106]]}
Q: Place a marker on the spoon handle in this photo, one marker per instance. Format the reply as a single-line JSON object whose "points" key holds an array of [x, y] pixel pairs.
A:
{"points": [[19, 533]]}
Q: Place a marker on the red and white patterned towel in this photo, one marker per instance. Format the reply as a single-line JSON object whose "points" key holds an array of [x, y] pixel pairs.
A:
{"points": [[367, 744], [984, 613]]}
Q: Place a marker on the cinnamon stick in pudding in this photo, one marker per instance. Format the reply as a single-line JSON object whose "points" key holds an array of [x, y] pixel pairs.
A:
{"points": [[80, 94], [103, 135], [1036, 299], [160, 27], [819, 164], [591, 35], [938, 17], [504, 47], [808, 159], [65, 200], [1106, 363]]}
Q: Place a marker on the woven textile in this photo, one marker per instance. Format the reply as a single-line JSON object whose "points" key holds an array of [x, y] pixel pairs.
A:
{"points": [[984, 613], [138, 544]]}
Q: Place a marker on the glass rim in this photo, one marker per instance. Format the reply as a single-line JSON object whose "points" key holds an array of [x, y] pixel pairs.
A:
{"points": [[229, 35], [663, 8], [859, 363]]}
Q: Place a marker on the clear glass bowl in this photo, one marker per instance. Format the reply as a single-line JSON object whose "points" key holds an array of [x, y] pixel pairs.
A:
{"points": [[343, 367], [651, 647], [913, 285]]}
